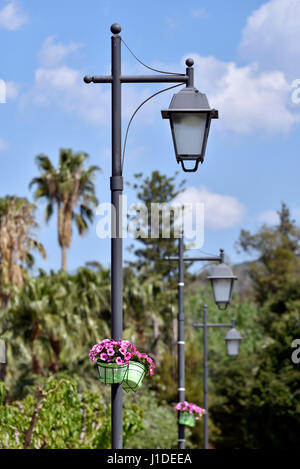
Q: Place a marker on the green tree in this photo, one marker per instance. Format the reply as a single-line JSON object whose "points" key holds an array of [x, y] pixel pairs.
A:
{"points": [[257, 397], [56, 416], [71, 189], [158, 189], [52, 321], [278, 251], [18, 240]]}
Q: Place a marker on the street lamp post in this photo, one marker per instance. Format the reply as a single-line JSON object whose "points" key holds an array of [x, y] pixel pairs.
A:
{"points": [[232, 339], [2, 359], [181, 317], [116, 79]]}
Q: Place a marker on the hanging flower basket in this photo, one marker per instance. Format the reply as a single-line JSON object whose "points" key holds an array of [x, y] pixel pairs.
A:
{"points": [[134, 376], [185, 418], [120, 362], [110, 373], [188, 413]]}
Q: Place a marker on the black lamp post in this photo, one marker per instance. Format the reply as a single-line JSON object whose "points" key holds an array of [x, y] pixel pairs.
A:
{"points": [[233, 339], [181, 318], [2, 359], [116, 79]]}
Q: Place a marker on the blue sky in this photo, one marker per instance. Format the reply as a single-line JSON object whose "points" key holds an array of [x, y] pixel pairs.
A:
{"points": [[246, 59]]}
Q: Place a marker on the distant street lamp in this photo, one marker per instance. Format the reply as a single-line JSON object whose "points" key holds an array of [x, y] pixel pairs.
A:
{"points": [[181, 318], [2, 351], [233, 339], [222, 280], [2, 359]]}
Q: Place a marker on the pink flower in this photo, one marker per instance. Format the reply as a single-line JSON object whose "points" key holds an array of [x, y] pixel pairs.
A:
{"points": [[119, 361], [191, 408], [110, 352], [103, 356], [177, 406], [185, 406], [123, 350], [149, 360], [127, 356], [125, 343]]}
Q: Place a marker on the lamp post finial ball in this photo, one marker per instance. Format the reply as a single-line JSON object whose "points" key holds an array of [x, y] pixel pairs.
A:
{"points": [[115, 28], [189, 62]]}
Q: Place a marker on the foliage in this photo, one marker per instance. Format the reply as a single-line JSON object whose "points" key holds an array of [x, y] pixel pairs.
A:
{"points": [[278, 249], [257, 397], [157, 189], [17, 241], [57, 417], [60, 316], [51, 397], [160, 425]]}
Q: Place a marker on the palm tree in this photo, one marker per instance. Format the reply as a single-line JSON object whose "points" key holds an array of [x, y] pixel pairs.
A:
{"points": [[53, 321], [69, 187], [17, 240]]}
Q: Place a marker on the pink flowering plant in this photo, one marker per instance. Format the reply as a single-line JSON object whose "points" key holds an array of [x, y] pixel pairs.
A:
{"points": [[190, 408], [120, 352]]}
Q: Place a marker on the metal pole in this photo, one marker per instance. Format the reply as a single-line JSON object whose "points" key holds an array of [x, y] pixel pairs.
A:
{"points": [[116, 186], [205, 377], [181, 370]]}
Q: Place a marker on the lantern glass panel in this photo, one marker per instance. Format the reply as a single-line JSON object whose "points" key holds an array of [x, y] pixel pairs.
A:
{"points": [[222, 288], [233, 347], [189, 132]]}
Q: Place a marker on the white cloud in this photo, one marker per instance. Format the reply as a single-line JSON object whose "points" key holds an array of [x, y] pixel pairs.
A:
{"points": [[220, 211], [8, 91], [248, 100], [271, 36], [53, 53], [199, 12], [3, 145], [12, 90], [59, 85], [172, 24], [63, 87], [270, 217], [12, 17]]}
